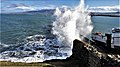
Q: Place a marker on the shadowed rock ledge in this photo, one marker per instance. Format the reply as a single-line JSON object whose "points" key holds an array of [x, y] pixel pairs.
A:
{"points": [[91, 56], [85, 55]]}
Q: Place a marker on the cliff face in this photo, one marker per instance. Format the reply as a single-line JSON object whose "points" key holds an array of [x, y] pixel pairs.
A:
{"points": [[91, 56]]}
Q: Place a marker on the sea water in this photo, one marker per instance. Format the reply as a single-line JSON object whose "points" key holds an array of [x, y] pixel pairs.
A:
{"points": [[105, 24], [36, 37]]}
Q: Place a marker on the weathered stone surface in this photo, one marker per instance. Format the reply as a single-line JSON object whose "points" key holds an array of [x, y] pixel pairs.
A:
{"points": [[85, 55], [90, 56]]}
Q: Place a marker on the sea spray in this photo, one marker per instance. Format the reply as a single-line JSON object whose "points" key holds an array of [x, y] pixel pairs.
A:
{"points": [[71, 24]]}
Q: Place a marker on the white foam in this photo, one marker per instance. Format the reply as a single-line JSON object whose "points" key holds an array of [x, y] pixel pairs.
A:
{"points": [[35, 50], [69, 25]]}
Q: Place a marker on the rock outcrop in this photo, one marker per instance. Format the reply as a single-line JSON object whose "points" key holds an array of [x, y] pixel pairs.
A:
{"points": [[91, 56]]}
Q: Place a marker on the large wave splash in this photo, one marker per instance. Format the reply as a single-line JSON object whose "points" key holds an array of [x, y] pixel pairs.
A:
{"points": [[71, 24]]}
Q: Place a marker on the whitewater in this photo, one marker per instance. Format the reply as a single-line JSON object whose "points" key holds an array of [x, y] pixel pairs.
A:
{"points": [[68, 26]]}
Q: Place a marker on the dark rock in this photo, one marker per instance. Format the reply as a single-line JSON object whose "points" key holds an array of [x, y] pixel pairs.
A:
{"points": [[91, 56], [85, 55]]}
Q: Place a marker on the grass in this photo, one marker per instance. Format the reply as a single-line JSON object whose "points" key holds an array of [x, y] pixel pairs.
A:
{"points": [[20, 64]]}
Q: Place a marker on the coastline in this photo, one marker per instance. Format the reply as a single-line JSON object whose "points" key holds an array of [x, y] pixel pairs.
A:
{"points": [[105, 14], [84, 55]]}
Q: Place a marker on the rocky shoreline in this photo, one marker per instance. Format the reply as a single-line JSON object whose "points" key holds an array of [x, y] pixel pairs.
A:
{"points": [[94, 56], [84, 55]]}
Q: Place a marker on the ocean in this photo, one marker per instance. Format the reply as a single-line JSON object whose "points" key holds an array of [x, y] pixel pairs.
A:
{"points": [[105, 24], [18, 29]]}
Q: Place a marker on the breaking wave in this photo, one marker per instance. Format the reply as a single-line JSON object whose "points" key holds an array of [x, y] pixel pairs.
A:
{"points": [[69, 25], [37, 49]]}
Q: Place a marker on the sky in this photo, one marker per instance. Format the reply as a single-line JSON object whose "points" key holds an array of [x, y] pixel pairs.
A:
{"points": [[28, 5]]}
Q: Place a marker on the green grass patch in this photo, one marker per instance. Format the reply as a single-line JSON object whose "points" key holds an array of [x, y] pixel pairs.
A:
{"points": [[20, 64]]}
